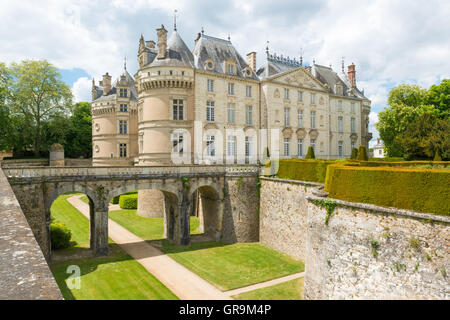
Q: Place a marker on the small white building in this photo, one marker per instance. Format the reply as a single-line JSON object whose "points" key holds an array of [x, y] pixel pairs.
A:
{"points": [[378, 149]]}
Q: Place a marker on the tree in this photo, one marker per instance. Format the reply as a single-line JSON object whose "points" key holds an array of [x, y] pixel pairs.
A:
{"points": [[36, 91], [80, 138], [439, 97], [310, 154], [362, 154], [406, 103], [427, 136]]}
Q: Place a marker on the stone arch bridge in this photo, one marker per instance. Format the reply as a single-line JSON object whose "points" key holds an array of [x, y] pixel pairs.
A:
{"points": [[230, 198]]}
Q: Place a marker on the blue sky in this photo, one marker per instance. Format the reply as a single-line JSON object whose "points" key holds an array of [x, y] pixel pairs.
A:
{"points": [[391, 42]]}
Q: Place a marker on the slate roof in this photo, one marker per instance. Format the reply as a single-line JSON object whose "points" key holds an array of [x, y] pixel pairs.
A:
{"points": [[178, 54], [275, 65], [326, 75], [218, 50], [129, 82]]}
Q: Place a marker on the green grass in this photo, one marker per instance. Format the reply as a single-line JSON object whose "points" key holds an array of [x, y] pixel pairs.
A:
{"points": [[289, 290], [116, 277], [231, 266], [63, 211], [143, 227]]}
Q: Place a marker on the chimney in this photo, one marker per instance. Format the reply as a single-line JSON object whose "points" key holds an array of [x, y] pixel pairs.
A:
{"points": [[251, 60], [352, 75], [106, 84], [162, 42]]}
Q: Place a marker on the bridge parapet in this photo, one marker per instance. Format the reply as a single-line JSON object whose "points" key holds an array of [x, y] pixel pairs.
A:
{"points": [[132, 172]]}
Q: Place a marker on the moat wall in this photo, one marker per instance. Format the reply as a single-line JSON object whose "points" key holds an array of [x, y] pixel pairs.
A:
{"points": [[370, 252], [283, 211]]}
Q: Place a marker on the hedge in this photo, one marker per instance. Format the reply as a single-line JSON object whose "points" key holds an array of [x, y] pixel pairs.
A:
{"points": [[128, 201], [313, 170], [423, 190], [412, 164], [60, 235]]}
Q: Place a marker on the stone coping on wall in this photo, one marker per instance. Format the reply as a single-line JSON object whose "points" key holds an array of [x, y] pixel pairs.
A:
{"points": [[304, 183], [24, 272], [385, 210]]}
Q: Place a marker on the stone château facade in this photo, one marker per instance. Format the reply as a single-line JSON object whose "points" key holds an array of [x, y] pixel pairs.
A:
{"points": [[209, 105]]}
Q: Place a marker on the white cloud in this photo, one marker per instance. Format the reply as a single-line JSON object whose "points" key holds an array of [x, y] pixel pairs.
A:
{"points": [[82, 90], [391, 42]]}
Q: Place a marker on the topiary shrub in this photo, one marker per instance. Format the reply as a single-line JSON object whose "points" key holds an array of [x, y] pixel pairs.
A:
{"points": [[313, 170], [128, 201], [362, 154], [115, 200], [354, 154], [310, 154], [60, 236], [437, 157]]}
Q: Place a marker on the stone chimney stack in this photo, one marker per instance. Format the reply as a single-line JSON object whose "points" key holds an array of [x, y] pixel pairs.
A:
{"points": [[106, 84], [162, 42], [251, 60], [352, 75]]}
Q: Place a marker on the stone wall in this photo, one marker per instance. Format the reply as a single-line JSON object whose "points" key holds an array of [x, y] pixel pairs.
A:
{"points": [[24, 273], [240, 220], [78, 162], [283, 215], [371, 252]]}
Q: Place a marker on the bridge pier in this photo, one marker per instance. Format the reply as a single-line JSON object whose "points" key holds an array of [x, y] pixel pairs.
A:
{"points": [[99, 232]]}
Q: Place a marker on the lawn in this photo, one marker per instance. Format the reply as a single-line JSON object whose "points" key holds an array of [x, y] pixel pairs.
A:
{"points": [[289, 290], [117, 276], [143, 227], [231, 266]]}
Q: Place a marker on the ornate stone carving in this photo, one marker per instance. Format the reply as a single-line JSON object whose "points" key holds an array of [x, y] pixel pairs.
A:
{"points": [[354, 136], [276, 93], [210, 126], [313, 133], [287, 132], [301, 133], [321, 100]]}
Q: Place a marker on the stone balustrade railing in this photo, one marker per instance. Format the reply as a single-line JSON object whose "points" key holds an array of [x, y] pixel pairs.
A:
{"points": [[132, 171]]}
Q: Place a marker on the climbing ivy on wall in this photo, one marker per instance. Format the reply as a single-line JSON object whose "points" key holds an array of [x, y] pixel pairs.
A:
{"points": [[329, 205]]}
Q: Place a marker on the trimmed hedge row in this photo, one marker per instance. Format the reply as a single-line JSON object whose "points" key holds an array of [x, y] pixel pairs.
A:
{"points": [[423, 190], [304, 170], [128, 201], [412, 164]]}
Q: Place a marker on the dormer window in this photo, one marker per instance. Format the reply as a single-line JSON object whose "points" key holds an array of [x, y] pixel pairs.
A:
{"points": [[123, 93], [230, 66], [230, 69], [209, 65]]}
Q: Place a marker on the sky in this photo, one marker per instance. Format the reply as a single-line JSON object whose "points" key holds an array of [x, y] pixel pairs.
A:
{"points": [[390, 42]]}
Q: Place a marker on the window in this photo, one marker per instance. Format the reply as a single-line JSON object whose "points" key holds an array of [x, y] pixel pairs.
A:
{"points": [[123, 126], [231, 146], [231, 88], [312, 143], [248, 91], [313, 98], [353, 125], [353, 145], [123, 107], [248, 146], [182, 73], [380, 152], [123, 93], [177, 142], [300, 96], [231, 112], [340, 124], [210, 111], [313, 119], [286, 94], [122, 150], [353, 107], [339, 91], [178, 109], [286, 146], [249, 115], [300, 148], [231, 69], [340, 149], [210, 146], [339, 105], [170, 72], [300, 118], [210, 85], [286, 117]]}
